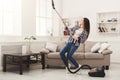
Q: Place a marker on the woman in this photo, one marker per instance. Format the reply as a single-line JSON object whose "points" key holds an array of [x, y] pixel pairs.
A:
{"points": [[78, 34]]}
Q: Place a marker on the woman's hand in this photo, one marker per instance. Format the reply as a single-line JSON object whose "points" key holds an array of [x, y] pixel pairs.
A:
{"points": [[75, 38]]}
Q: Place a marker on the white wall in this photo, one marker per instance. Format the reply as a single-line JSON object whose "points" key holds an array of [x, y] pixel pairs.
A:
{"points": [[89, 8], [28, 17]]}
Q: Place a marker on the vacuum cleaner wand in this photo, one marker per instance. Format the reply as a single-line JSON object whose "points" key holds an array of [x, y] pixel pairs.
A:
{"points": [[53, 6]]}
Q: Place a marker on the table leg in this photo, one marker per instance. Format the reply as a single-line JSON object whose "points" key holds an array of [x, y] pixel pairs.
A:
{"points": [[28, 61], [43, 61], [36, 58], [4, 63], [20, 65]]}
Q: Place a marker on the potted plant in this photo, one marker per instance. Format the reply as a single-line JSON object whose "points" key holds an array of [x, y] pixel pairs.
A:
{"points": [[29, 38]]}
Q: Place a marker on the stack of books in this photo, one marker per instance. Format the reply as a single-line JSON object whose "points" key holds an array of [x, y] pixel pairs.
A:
{"points": [[102, 29]]}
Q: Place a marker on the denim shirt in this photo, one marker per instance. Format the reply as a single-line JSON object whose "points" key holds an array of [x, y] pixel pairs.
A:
{"points": [[82, 37]]}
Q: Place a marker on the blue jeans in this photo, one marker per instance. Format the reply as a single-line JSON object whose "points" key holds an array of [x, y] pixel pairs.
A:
{"points": [[69, 48]]}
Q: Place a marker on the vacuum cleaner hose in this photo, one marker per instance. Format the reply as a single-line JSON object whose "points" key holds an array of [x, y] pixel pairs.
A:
{"points": [[73, 72]]}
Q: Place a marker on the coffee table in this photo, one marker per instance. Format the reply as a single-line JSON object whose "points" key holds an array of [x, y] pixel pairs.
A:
{"points": [[20, 62]]}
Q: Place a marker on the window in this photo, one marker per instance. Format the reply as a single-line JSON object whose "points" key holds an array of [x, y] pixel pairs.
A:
{"points": [[10, 17], [43, 18]]}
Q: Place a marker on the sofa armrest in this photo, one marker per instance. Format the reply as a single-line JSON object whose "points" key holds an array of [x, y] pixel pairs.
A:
{"points": [[106, 52], [44, 50]]}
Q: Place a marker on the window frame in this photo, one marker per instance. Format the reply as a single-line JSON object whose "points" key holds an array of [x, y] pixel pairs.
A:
{"points": [[38, 16]]}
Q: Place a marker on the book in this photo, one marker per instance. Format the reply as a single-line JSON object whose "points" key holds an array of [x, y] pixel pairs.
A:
{"points": [[100, 29]]}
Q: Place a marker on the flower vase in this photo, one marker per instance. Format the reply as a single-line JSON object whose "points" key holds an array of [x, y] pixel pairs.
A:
{"points": [[24, 50], [29, 47]]}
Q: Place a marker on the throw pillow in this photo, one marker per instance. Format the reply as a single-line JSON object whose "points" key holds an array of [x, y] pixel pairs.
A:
{"points": [[103, 47], [44, 50], [95, 48], [51, 46]]}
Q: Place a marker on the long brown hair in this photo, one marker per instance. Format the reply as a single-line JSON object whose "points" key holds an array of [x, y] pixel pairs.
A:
{"points": [[87, 25]]}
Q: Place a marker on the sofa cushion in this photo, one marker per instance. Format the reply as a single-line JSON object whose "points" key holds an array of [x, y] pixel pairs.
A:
{"points": [[56, 55], [81, 48], [51, 46], [79, 55], [89, 45], [90, 55], [60, 45]]}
